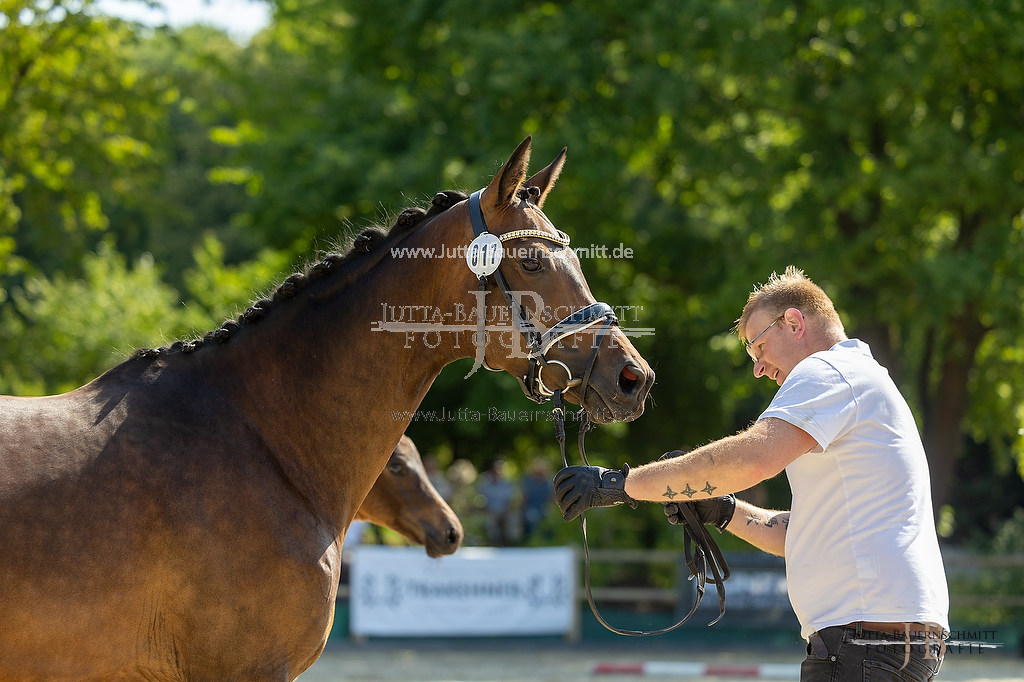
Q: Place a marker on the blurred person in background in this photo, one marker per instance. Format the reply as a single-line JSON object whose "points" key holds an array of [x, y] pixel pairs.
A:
{"points": [[498, 493], [536, 495], [466, 501], [438, 477]]}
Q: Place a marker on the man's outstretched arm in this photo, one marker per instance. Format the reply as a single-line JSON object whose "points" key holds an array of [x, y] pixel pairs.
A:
{"points": [[728, 465], [725, 466]]}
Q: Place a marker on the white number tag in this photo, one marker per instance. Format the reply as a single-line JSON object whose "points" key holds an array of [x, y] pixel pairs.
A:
{"points": [[484, 254]]}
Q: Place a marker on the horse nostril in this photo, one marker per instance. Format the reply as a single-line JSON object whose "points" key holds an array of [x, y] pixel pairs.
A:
{"points": [[629, 378], [453, 536]]}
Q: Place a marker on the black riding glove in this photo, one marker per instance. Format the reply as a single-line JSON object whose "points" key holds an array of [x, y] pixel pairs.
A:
{"points": [[578, 488], [716, 511]]}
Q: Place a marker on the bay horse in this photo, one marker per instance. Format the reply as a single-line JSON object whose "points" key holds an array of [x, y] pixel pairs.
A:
{"points": [[181, 516], [404, 500]]}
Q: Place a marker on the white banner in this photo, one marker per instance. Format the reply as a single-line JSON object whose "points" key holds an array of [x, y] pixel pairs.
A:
{"points": [[481, 591]]}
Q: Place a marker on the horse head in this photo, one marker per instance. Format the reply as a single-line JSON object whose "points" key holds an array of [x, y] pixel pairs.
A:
{"points": [[404, 500], [543, 324]]}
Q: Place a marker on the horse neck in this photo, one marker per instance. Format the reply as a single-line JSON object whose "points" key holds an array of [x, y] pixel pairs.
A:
{"points": [[330, 397]]}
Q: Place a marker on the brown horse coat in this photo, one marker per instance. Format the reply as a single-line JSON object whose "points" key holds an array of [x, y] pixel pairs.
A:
{"points": [[181, 516]]}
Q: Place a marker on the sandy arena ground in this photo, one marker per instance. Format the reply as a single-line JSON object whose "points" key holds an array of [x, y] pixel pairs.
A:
{"points": [[525, 661]]}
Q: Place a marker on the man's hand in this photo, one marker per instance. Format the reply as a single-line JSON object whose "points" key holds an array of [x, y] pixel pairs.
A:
{"points": [[717, 511], [578, 488]]}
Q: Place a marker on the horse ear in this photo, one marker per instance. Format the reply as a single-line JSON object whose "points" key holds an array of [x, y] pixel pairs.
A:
{"points": [[506, 183], [544, 180]]}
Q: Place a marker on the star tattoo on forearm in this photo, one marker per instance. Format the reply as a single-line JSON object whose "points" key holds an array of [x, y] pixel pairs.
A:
{"points": [[689, 492]]}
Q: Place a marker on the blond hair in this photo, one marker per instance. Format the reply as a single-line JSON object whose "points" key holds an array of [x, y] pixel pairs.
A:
{"points": [[792, 289]]}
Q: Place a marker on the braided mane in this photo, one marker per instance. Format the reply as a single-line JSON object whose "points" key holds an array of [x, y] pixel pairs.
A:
{"points": [[334, 264]]}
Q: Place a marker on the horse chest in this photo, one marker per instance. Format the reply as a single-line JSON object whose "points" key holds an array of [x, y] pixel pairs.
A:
{"points": [[263, 615]]}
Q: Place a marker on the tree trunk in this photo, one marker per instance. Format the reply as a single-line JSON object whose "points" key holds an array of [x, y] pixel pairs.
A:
{"points": [[947, 402]]}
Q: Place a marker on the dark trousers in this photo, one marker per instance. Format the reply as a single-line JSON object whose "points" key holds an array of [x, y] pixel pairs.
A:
{"points": [[849, 654]]}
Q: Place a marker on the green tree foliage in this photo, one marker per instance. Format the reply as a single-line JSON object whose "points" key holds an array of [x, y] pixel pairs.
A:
{"points": [[188, 198], [107, 134], [875, 146], [901, 182], [77, 126], [61, 329]]}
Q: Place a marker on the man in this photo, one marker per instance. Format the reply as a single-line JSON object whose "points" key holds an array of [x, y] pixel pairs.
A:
{"points": [[863, 568]]}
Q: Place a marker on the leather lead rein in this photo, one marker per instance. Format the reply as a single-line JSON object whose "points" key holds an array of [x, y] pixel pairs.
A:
{"points": [[699, 548]]}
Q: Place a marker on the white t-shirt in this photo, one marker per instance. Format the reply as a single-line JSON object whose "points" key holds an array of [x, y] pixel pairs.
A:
{"points": [[861, 542]]}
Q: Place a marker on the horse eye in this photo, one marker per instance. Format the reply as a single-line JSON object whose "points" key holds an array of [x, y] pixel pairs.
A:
{"points": [[530, 264], [397, 468]]}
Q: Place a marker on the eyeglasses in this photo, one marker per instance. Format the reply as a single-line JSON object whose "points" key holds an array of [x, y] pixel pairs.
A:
{"points": [[750, 344]]}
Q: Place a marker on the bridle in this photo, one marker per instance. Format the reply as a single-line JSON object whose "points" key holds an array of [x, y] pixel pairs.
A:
{"points": [[539, 343], [700, 549]]}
